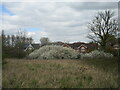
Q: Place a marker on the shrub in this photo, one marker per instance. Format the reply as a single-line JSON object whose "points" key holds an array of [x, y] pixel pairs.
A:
{"points": [[54, 52], [96, 54]]}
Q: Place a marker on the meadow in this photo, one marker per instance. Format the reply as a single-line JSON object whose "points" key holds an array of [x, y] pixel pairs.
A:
{"points": [[94, 73]]}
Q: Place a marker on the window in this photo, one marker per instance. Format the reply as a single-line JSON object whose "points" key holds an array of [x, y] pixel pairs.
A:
{"points": [[82, 49]]}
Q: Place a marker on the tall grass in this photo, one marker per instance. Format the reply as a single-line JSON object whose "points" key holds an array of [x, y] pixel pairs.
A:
{"points": [[60, 74]]}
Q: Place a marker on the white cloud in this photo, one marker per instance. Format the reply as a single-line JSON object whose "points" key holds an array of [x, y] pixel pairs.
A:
{"points": [[59, 21], [60, 1], [30, 34], [37, 35]]}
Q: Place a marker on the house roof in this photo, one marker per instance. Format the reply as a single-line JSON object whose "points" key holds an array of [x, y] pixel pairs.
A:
{"points": [[57, 43], [116, 46], [91, 45], [82, 45], [25, 46], [88, 45], [36, 46], [75, 45]]}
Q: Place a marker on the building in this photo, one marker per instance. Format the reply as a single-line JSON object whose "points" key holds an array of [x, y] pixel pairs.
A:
{"points": [[31, 47], [78, 46], [84, 47]]}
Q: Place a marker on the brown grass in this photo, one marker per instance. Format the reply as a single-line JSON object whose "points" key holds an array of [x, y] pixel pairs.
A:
{"points": [[59, 74]]}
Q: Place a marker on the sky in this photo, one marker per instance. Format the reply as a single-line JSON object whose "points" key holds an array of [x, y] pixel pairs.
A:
{"points": [[59, 21]]}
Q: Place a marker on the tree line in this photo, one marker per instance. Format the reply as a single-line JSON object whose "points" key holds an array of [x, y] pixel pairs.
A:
{"points": [[13, 45]]}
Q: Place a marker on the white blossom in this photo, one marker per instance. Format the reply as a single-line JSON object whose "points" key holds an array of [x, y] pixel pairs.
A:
{"points": [[96, 54], [54, 52]]}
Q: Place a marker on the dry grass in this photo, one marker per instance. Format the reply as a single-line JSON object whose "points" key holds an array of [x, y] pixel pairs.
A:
{"points": [[60, 74]]}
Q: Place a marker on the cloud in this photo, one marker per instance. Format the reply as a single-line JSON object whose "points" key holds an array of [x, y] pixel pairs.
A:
{"points": [[94, 5], [60, 1], [29, 34], [60, 21]]}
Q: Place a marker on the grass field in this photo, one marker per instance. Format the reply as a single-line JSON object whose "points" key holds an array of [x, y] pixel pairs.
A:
{"points": [[60, 73]]}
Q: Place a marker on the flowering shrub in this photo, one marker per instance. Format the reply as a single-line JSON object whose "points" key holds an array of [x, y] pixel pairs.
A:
{"points": [[54, 52], [96, 54]]}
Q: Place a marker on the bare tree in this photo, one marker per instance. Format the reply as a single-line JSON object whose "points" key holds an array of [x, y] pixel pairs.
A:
{"points": [[103, 28], [30, 40], [8, 40], [44, 41], [13, 40], [3, 38]]}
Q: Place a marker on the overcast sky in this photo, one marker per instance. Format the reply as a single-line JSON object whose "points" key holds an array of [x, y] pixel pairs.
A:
{"points": [[59, 21]]}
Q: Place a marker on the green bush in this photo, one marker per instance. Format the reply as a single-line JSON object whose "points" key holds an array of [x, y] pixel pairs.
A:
{"points": [[12, 52]]}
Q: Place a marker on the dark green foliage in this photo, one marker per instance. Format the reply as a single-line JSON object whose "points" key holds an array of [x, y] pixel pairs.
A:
{"points": [[15, 49], [116, 53], [13, 52]]}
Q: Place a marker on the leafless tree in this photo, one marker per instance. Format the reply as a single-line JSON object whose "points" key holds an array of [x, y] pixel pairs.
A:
{"points": [[103, 28]]}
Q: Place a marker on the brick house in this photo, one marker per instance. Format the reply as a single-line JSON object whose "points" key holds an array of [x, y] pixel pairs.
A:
{"points": [[82, 47], [78, 46]]}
